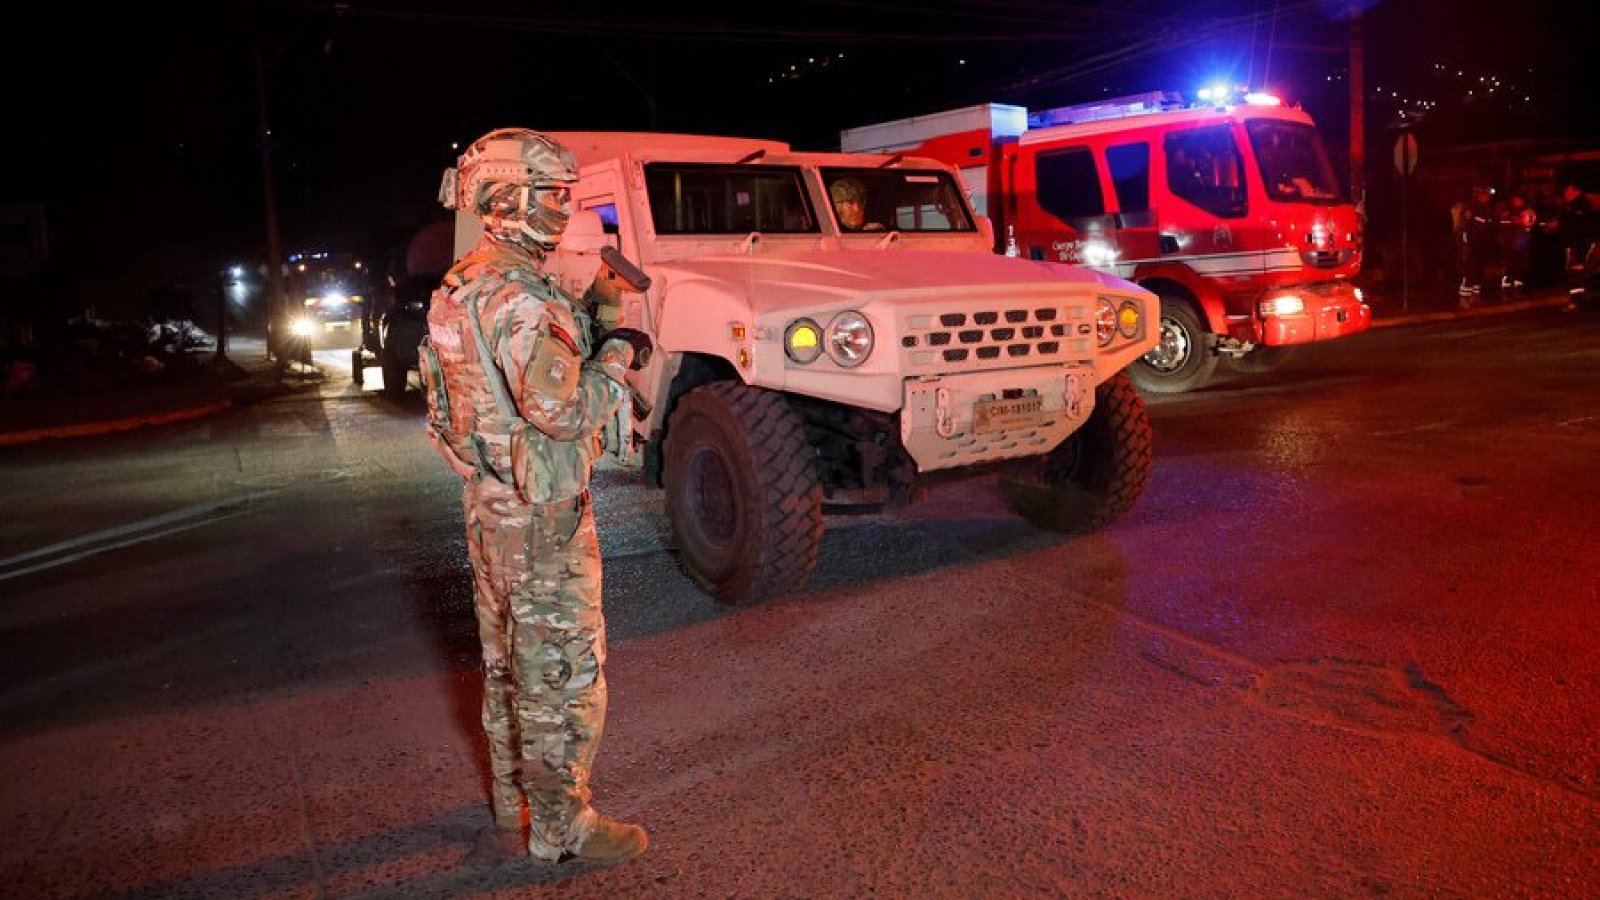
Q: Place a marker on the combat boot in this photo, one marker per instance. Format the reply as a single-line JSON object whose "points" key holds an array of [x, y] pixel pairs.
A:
{"points": [[609, 843]]}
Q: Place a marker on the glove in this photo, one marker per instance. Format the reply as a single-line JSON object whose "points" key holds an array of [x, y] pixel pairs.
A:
{"points": [[638, 342]]}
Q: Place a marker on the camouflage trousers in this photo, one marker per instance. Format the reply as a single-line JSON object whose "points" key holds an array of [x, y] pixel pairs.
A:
{"points": [[536, 573]]}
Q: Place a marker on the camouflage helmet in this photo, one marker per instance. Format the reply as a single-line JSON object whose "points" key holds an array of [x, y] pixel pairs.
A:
{"points": [[847, 190], [502, 177]]}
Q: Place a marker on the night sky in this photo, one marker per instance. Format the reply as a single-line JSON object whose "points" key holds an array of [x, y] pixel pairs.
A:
{"points": [[137, 129]]}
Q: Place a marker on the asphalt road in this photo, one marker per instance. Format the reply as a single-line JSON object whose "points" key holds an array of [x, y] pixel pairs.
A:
{"points": [[1344, 646]]}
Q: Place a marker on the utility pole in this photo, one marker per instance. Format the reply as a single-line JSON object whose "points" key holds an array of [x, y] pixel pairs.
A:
{"points": [[222, 320], [270, 195], [1358, 107]]}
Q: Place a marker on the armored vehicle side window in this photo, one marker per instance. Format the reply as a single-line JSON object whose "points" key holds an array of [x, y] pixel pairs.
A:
{"points": [[1205, 168], [714, 199], [1069, 184], [901, 199]]}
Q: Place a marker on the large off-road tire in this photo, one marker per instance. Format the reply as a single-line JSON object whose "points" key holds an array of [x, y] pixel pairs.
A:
{"points": [[743, 497], [1096, 474], [1262, 360], [1184, 359]]}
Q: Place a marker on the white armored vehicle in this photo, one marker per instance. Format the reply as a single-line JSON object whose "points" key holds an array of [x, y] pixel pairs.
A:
{"points": [[798, 363]]}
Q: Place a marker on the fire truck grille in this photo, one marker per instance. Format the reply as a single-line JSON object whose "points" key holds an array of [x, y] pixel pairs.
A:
{"points": [[1326, 259], [1004, 335]]}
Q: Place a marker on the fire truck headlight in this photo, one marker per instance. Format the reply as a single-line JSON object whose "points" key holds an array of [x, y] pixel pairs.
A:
{"points": [[1283, 305], [303, 326], [849, 339], [802, 341], [1105, 321]]}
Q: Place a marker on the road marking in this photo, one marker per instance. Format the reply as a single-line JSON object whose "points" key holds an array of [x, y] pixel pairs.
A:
{"points": [[120, 536]]}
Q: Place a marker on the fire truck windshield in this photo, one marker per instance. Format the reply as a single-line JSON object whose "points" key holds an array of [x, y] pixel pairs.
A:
{"points": [[1294, 167]]}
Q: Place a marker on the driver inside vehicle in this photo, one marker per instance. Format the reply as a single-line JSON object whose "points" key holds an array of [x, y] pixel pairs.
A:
{"points": [[850, 205]]}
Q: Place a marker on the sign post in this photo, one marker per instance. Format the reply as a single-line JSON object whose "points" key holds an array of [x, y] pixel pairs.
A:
{"points": [[1405, 162]]}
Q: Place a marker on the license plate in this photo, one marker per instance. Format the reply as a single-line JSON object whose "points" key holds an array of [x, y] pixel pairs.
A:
{"points": [[1000, 415]]}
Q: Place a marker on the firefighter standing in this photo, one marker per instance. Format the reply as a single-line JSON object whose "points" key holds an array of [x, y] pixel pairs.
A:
{"points": [[1576, 218], [1476, 234], [515, 407], [1514, 224]]}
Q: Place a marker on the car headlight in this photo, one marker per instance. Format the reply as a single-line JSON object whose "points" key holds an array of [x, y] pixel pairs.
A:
{"points": [[334, 299], [1283, 305], [1128, 319], [849, 339], [302, 326], [1105, 321], [802, 341]]}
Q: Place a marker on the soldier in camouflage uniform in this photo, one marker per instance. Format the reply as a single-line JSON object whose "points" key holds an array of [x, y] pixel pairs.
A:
{"points": [[516, 402]]}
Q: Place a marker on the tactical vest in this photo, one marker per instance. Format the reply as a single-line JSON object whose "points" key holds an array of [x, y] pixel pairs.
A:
{"points": [[473, 418]]}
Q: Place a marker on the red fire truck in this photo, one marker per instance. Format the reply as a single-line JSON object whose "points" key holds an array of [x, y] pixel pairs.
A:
{"points": [[1227, 209]]}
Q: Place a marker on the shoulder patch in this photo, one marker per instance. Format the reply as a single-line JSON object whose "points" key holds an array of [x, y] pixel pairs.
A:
{"points": [[556, 365], [560, 334]]}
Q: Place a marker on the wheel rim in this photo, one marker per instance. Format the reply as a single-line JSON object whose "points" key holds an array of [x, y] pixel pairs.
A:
{"points": [[711, 505], [1172, 351]]}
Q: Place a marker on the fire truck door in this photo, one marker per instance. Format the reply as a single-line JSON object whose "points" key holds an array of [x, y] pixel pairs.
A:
{"points": [[1137, 237], [1204, 214], [1068, 222]]}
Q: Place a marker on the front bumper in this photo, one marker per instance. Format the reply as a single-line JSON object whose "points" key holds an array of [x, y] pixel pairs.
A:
{"points": [[1332, 310], [978, 417]]}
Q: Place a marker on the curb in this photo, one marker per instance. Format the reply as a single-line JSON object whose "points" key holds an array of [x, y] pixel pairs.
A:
{"points": [[111, 425], [1474, 312]]}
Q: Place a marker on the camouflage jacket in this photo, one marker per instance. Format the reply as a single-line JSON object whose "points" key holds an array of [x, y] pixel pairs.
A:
{"points": [[516, 398]]}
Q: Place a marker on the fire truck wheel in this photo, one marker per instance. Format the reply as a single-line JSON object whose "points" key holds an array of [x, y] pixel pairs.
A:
{"points": [[1261, 360], [743, 496], [1097, 473], [357, 374], [1183, 360]]}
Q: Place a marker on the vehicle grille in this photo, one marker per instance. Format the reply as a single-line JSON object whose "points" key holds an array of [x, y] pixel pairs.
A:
{"points": [[1000, 336]]}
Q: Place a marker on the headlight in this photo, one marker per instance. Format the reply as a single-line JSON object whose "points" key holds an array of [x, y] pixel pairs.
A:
{"points": [[1128, 317], [849, 339], [1105, 321], [802, 341], [334, 299], [1283, 305], [302, 326]]}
